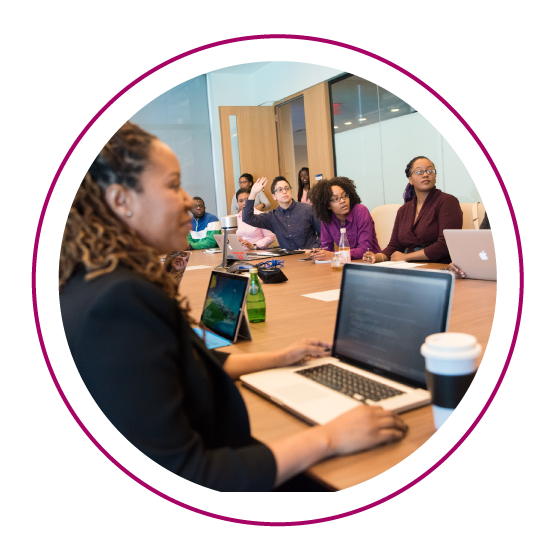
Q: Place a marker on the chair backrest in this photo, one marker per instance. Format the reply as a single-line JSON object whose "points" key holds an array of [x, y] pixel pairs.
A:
{"points": [[473, 214], [383, 217]]}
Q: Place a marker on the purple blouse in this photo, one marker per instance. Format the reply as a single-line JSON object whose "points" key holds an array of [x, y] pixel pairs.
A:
{"points": [[360, 230]]}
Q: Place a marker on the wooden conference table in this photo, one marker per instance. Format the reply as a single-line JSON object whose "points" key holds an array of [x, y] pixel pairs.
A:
{"points": [[291, 316]]}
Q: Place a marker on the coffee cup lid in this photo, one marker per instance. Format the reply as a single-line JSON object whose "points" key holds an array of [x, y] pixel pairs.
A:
{"points": [[454, 345]]}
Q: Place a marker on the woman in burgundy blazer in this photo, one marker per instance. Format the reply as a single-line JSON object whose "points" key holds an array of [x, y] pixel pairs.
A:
{"points": [[418, 232]]}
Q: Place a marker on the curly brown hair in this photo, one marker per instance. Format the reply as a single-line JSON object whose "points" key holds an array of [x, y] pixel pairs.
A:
{"points": [[94, 238], [321, 193]]}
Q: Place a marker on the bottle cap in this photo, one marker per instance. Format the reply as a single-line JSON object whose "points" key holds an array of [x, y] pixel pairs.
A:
{"points": [[254, 270], [342, 230]]}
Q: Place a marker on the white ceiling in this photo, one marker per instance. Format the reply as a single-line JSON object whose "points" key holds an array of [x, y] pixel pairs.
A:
{"points": [[242, 69]]}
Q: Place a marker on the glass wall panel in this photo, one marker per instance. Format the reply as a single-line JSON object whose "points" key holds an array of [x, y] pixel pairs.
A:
{"points": [[180, 118], [376, 134], [292, 134]]}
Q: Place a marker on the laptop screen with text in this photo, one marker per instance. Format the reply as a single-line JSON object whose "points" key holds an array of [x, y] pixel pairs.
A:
{"points": [[384, 316]]}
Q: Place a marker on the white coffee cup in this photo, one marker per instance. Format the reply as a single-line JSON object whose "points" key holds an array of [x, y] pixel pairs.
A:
{"points": [[450, 360]]}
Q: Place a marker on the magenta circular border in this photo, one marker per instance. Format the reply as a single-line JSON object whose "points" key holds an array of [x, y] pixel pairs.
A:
{"points": [[277, 523]]}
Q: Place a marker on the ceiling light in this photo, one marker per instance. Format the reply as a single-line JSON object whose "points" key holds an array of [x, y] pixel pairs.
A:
{"points": [[361, 119], [395, 110], [347, 123]]}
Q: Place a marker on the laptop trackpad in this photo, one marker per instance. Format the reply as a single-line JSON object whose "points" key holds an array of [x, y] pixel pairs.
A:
{"points": [[300, 393]]}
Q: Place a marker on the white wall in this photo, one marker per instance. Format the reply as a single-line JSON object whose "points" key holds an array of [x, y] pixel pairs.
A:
{"points": [[375, 157], [254, 85]]}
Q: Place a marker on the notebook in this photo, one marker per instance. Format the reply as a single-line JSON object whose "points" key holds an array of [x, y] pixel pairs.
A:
{"points": [[473, 252], [224, 309], [236, 251], [384, 315]]}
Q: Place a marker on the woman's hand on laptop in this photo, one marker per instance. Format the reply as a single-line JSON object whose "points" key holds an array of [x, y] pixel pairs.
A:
{"points": [[363, 428], [459, 273], [304, 350]]}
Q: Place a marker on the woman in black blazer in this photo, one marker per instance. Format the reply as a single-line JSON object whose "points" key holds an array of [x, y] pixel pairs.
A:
{"points": [[130, 335]]}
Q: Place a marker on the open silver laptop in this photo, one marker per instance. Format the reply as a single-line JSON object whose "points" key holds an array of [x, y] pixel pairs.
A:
{"points": [[236, 251], [383, 318], [473, 252]]}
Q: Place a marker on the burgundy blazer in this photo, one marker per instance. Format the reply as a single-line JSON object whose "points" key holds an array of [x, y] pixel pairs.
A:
{"points": [[440, 211]]}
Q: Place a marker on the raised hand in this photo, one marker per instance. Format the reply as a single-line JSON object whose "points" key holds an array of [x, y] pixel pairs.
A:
{"points": [[259, 185]]}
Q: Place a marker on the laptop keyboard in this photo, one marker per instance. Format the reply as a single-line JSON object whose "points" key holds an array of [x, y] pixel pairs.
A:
{"points": [[351, 384]]}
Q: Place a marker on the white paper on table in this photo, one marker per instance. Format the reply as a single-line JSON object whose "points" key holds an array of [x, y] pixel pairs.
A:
{"points": [[402, 265], [192, 267], [323, 261], [326, 296]]}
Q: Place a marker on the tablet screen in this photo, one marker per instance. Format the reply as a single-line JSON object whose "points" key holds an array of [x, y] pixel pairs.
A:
{"points": [[224, 304]]}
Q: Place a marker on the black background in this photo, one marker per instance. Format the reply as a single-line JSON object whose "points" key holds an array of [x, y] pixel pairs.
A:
{"points": [[64, 468]]}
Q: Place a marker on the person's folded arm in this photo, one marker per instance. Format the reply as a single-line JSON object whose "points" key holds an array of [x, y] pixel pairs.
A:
{"points": [[267, 240], [364, 236], [263, 200], [450, 216]]}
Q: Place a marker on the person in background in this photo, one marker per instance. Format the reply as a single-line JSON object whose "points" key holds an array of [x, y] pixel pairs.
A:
{"points": [[337, 205], [132, 342], [459, 273], [205, 226], [176, 264], [418, 232], [251, 237], [262, 203], [303, 185], [295, 224]]}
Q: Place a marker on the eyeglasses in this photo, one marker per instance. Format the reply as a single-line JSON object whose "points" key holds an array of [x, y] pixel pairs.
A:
{"points": [[421, 172], [244, 182], [285, 189], [337, 199], [198, 206]]}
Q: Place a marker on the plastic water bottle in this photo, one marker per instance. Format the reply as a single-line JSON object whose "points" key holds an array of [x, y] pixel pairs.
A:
{"points": [[255, 300], [344, 248]]}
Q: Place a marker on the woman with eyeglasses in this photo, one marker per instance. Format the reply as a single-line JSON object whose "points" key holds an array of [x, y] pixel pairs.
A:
{"points": [[418, 232], [131, 338], [246, 181], [338, 206]]}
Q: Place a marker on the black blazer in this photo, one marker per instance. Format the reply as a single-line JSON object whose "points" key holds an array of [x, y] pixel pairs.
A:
{"points": [[159, 385]]}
